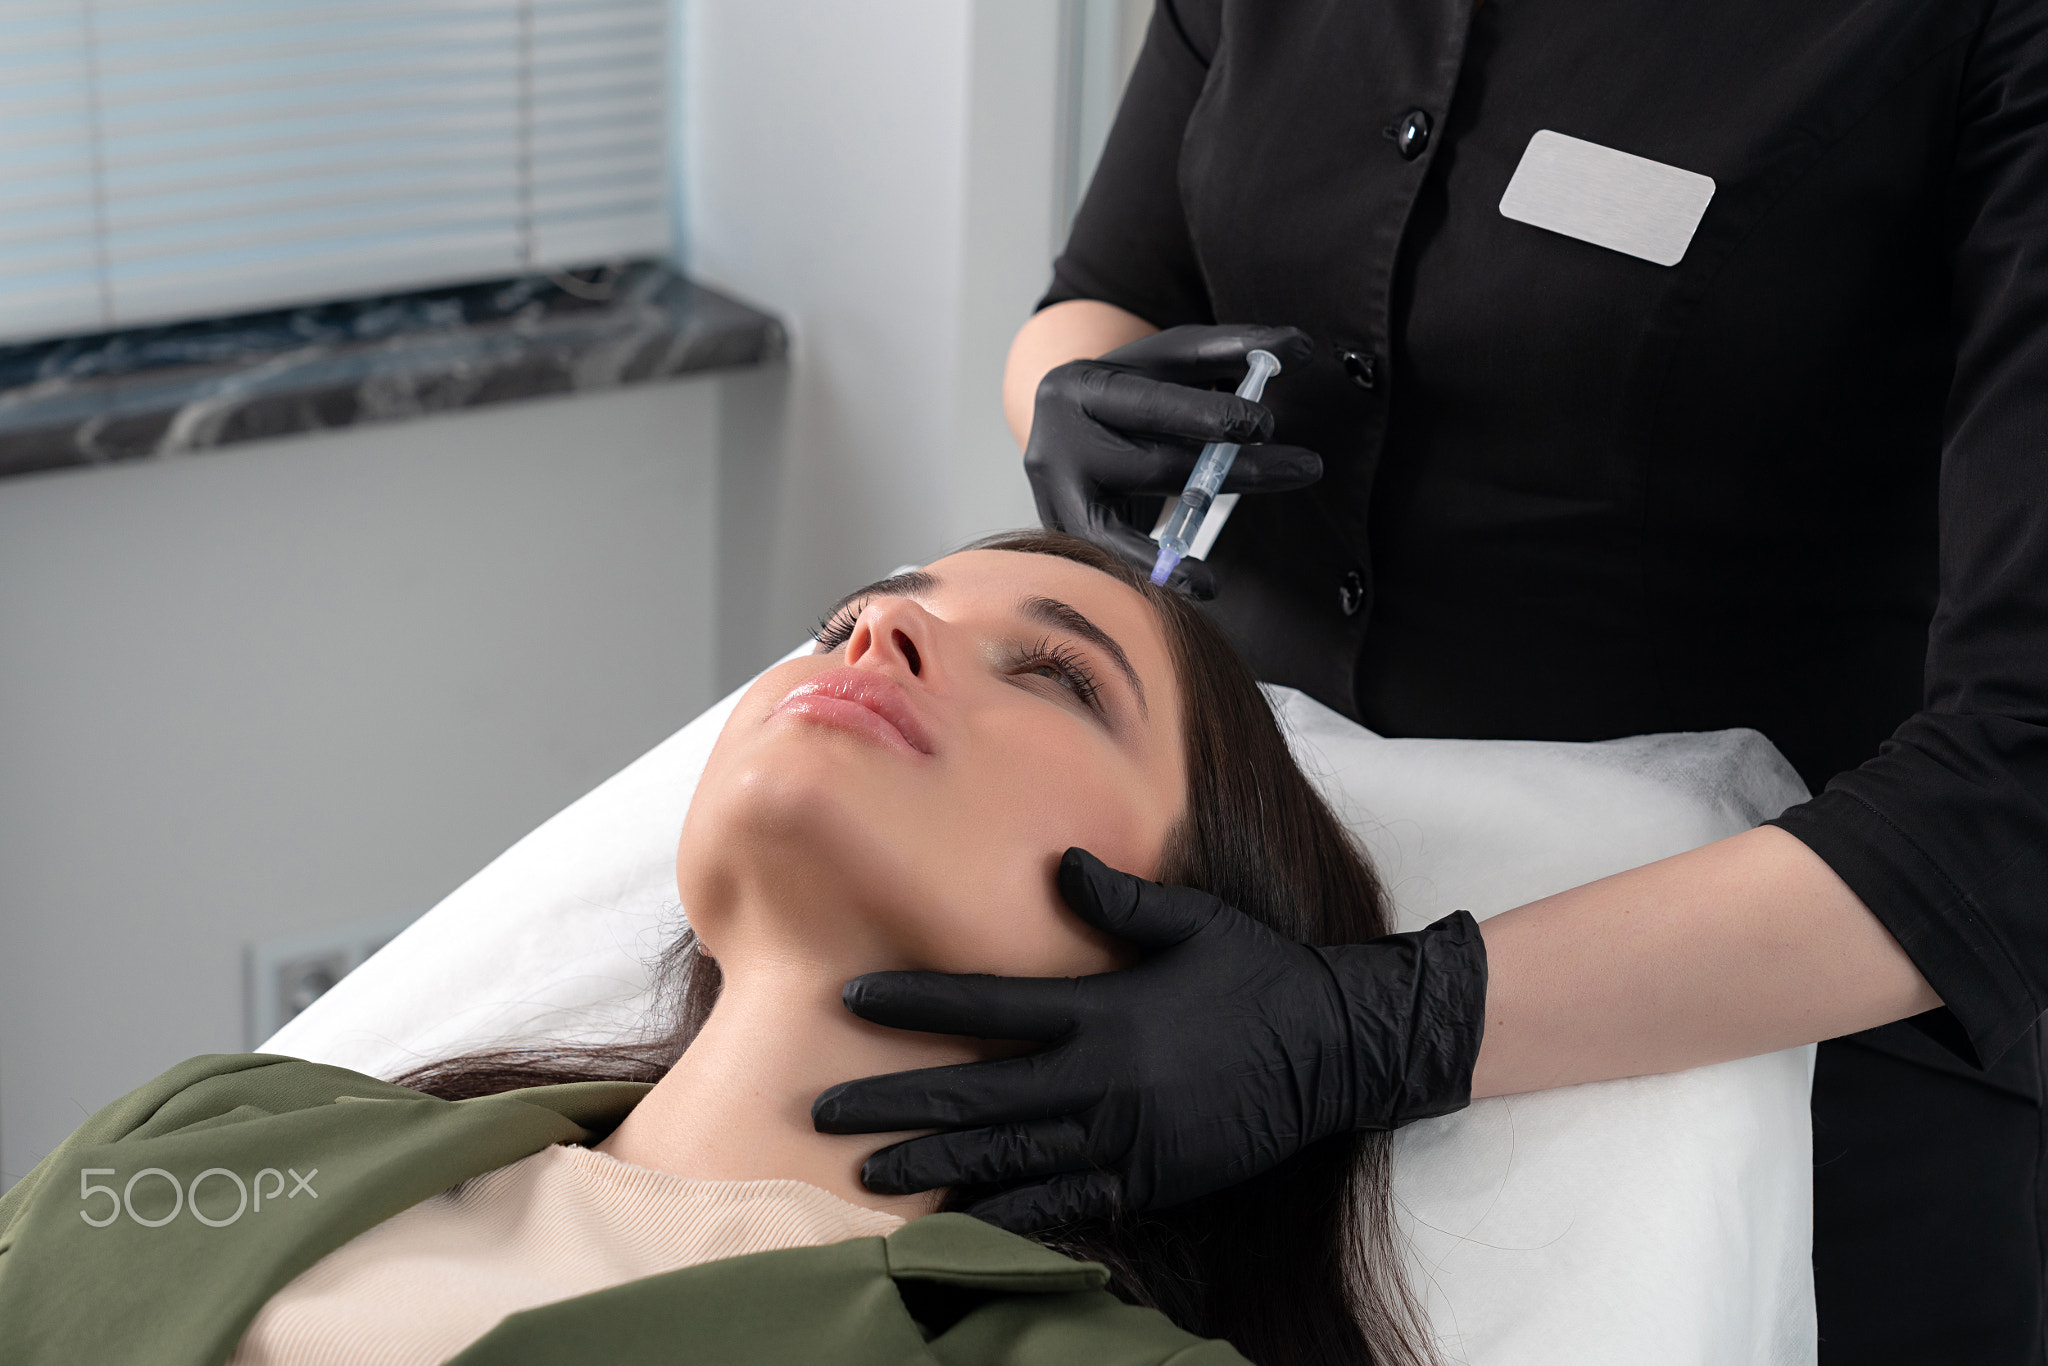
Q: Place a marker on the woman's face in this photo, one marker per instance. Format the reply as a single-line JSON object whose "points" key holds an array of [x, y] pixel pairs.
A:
{"points": [[900, 798]]}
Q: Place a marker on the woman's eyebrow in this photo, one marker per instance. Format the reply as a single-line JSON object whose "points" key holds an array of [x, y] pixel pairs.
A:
{"points": [[1058, 615], [914, 584]]}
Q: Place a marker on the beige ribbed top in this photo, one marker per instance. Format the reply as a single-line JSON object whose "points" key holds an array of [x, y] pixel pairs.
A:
{"points": [[430, 1280]]}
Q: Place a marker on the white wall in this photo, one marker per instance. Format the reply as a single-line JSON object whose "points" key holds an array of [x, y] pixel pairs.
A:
{"points": [[261, 690], [882, 176], [288, 684]]}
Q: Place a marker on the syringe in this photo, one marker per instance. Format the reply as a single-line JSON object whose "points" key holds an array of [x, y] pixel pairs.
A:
{"points": [[1210, 471]]}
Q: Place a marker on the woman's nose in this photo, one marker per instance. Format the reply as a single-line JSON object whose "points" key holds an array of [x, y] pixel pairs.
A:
{"points": [[894, 631]]}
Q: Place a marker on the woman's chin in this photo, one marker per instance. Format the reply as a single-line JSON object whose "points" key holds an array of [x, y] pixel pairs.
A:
{"points": [[794, 833], [794, 799]]}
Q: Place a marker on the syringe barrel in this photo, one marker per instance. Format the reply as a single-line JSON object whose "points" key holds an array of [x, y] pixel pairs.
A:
{"points": [[1212, 468], [1186, 519]]}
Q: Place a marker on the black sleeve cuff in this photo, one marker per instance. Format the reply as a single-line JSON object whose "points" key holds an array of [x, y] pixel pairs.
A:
{"points": [[1988, 1005], [1130, 244]]}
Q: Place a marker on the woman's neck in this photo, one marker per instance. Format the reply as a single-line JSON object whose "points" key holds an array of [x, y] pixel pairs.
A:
{"points": [[737, 1104]]}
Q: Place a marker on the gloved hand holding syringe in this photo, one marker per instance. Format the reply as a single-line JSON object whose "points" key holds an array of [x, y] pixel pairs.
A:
{"points": [[1210, 471]]}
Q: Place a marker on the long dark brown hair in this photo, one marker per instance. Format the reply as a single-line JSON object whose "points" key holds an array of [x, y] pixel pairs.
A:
{"points": [[1296, 1267]]}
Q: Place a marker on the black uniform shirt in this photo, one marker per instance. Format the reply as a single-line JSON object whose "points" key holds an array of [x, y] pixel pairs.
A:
{"points": [[1798, 481]]}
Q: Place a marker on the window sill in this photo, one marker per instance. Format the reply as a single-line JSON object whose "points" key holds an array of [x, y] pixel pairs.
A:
{"points": [[193, 386]]}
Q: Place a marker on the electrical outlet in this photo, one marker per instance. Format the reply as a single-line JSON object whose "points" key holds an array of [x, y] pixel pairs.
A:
{"points": [[281, 977], [302, 981]]}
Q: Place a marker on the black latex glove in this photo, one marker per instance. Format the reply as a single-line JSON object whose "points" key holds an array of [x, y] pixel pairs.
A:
{"points": [[1223, 1053], [1130, 424]]}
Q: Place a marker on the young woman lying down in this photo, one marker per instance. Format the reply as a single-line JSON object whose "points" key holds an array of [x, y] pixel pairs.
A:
{"points": [[905, 797]]}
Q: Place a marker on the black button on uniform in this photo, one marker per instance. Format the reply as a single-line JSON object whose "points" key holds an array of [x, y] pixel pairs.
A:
{"points": [[1411, 134], [1351, 593], [1363, 369]]}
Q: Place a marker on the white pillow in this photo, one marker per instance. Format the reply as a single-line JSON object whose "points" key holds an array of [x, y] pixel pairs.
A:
{"points": [[1658, 1219]]}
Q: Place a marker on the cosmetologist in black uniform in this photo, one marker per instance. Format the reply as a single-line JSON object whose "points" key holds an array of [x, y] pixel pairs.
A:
{"points": [[1797, 481]]}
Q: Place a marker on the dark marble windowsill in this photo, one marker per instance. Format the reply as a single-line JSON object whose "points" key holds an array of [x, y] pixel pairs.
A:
{"points": [[192, 386]]}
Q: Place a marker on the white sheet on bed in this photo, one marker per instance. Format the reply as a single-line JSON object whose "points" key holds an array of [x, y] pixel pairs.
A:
{"points": [[1660, 1219]]}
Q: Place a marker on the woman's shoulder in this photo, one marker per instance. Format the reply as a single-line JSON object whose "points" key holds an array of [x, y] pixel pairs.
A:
{"points": [[210, 1090], [212, 1185], [240, 1093]]}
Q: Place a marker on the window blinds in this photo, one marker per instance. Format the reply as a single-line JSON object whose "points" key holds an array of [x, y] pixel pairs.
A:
{"points": [[165, 159]]}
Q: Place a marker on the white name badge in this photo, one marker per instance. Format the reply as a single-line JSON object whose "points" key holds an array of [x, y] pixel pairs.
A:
{"points": [[1609, 198]]}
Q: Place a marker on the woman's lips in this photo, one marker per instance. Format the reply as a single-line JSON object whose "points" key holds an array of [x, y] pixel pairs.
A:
{"points": [[861, 701]]}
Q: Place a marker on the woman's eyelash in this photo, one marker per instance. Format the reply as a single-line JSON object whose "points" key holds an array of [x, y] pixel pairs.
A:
{"points": [[1072, 667], [835, 630]]}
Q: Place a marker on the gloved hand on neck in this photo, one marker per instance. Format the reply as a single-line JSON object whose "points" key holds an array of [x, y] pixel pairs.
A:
{"points": [[1225, 1051]]}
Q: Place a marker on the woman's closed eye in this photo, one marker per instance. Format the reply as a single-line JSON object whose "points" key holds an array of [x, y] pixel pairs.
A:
{"points": [[1064, 666]]}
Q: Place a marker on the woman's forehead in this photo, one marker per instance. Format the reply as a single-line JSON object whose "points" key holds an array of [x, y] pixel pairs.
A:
{"points": [[1004, 578], [1007, 580]]}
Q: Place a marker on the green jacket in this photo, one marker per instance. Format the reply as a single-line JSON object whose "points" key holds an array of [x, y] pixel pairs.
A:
{"points": [[101, 1262]]}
